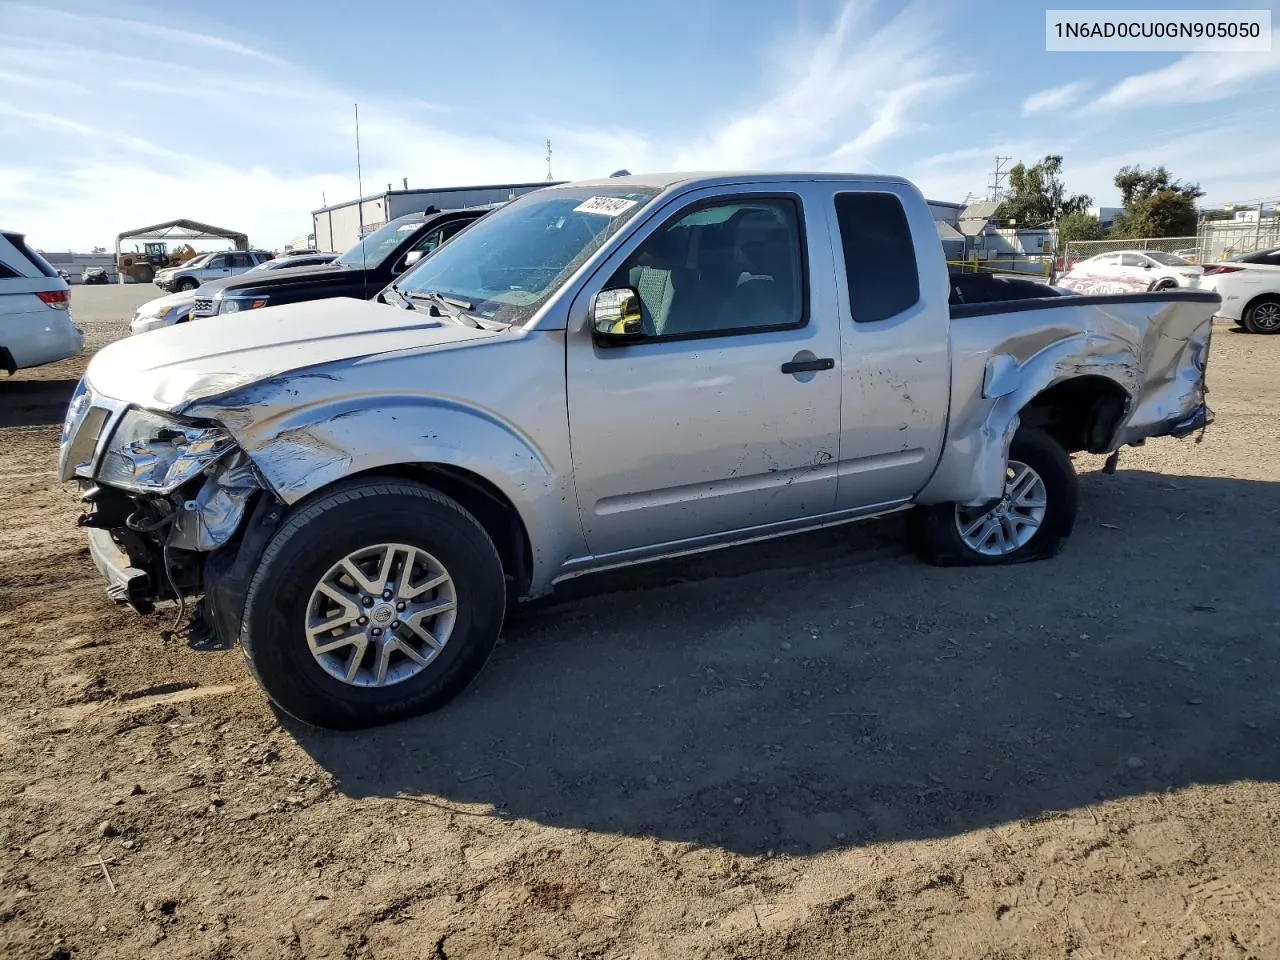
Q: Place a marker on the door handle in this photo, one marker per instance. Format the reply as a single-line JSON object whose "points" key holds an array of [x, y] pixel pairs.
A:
{"points": [[804, 366]]}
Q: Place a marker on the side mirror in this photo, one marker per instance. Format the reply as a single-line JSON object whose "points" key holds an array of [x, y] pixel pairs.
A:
{"points": [[412, 257], [1148, 265], [615, 314]]}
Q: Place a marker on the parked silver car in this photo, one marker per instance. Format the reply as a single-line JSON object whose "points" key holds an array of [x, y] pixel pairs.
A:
{"points": [[595, 375], [213, 266], [182, 306]]}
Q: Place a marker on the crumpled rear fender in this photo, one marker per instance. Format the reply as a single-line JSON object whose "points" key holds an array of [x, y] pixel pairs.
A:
{"points": [[1154, 347]]}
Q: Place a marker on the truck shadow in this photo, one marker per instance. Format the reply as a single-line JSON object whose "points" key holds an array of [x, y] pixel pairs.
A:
{"points": [[34, 403], [830, 690]]}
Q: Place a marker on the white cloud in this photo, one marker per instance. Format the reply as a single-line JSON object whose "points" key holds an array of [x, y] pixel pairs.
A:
{"points": [[184, 123], [856, 77], [1055, 98], [189, 38], [1195, 78], [1200, 157]]}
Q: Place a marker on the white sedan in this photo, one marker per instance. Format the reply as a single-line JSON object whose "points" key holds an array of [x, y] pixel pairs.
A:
{"points": [[163, 311], [1249, 286], [1129, 271], [176, 307]]}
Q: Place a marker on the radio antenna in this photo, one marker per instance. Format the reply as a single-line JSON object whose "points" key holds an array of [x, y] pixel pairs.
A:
{"points": [[364, 266]]}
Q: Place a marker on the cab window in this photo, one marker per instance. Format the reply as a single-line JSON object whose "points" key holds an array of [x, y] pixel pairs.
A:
{"points": [[721, 267]]}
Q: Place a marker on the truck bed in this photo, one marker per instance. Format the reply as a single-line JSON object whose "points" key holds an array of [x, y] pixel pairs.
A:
{"points": [[1128, 366]]}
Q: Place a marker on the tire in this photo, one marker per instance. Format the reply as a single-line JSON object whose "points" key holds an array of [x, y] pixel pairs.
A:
{"points": [[1165, 285], [305, 551], [935, 530], [187, 284], [1262, 315]]}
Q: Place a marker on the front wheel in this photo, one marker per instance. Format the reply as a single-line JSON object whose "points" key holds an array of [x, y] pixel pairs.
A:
{"points": [[1031, 521], [1262, 316], [187, 284], [374, 603]]}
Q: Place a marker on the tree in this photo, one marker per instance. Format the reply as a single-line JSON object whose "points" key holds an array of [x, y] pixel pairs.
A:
{"points": [[1038, 196], [1155, 204], [1079, 226]]}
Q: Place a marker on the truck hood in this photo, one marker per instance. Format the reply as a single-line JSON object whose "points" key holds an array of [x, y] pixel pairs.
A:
{"points": [[319, 277], [170, 368]]}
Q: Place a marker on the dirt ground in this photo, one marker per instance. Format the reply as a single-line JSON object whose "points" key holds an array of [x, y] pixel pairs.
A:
{"points": [[812, 748]]}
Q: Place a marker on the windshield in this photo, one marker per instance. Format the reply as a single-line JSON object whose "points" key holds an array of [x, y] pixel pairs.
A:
{"points": [[199, 261], [377, 246], [507, 264], [1168, 259]]}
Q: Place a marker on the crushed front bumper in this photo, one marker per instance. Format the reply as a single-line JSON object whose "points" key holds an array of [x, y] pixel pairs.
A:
{"points": [[125, 582]]}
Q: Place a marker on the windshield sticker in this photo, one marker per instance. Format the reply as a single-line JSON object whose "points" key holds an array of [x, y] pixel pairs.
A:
{"points": [[406, 227], [609, 206]]}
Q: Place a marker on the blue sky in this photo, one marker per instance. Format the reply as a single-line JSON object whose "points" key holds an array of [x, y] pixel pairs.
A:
{"points": [[119, 114]]}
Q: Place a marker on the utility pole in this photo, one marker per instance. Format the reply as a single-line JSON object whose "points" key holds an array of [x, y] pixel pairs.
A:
{"points": [[549, 176], [998, 175]]}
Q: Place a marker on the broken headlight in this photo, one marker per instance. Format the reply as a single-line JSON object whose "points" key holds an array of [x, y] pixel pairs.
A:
{"points": [[154, 453]]}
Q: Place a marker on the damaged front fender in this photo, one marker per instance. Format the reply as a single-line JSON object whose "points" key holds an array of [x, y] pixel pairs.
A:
{"points": [[210, 518]]}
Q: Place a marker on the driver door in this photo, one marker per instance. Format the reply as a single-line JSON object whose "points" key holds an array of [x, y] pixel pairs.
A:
{"points": [[705, 426], [219, 266]]}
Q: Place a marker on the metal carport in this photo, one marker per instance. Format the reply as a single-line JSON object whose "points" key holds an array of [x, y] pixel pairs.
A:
{"points": [[184, 230], [142, 270]]}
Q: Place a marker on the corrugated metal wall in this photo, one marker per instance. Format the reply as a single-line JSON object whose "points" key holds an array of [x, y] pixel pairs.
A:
{"points": [[338, 227]]}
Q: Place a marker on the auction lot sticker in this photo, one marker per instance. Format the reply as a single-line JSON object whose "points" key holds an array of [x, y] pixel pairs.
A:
{"points": [[1137, 31], [609, 206]]}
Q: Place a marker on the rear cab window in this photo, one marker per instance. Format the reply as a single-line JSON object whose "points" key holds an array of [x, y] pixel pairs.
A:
{"points": [[879, 255]]}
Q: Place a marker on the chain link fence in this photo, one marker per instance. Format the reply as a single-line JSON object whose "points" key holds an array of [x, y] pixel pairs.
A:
{"points": [[1077, 250], [1223, 239], [1217, 240]]}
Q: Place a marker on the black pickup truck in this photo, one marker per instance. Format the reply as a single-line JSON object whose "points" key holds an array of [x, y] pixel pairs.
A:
{"points": [[362, 272]]}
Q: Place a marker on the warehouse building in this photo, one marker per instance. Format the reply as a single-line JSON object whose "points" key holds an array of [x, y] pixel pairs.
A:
{"points": [[337, 227]]}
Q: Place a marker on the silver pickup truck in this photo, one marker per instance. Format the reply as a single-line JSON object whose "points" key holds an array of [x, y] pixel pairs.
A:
{"points": [[596, 375]]}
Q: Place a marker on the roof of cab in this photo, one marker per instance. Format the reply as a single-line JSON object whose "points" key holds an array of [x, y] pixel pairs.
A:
{"points": [[662, 181]]}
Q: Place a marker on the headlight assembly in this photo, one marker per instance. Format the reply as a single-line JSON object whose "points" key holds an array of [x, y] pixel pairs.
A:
{"points": [[235, 305], [154, 453]]}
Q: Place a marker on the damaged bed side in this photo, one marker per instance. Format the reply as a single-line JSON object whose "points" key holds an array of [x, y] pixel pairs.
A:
{"points": [[1098, 373]]}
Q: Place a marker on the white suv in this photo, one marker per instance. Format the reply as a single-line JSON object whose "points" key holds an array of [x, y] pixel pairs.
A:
{"points": [[35, 309], [1250, 289]]}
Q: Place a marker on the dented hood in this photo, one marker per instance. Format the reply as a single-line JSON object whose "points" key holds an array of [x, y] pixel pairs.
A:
{"points": [[170, 368]]}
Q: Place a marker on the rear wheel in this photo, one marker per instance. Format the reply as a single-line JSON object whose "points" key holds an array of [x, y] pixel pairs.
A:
{"points": [[1031, 521], [377, 602], [1165, 285], [1262, 316]]}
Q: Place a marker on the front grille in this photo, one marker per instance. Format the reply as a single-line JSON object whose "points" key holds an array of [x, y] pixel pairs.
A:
{"points": [[203, 307]]}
